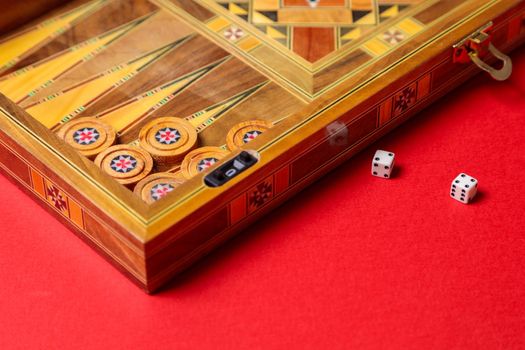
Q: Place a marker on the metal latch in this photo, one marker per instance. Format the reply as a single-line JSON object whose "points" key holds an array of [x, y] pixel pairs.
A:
{"points": [[230, 169], [477, 46]]}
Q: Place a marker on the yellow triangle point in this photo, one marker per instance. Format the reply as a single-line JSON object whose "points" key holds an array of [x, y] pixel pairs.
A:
{"points": [[391, 12], [259, 18], [62, 106], [237, 10], [129, 113], [352, 35], [274, 33], [199, 118], [369, 19], [12, 49], [202, 119], [26, 81]]}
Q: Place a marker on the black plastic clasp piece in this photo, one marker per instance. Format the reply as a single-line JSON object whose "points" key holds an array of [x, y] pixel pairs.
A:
{"points": [[229, 170]]}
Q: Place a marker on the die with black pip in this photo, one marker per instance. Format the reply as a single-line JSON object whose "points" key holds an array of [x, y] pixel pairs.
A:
{"points": [[383, 163], [463, 188]]}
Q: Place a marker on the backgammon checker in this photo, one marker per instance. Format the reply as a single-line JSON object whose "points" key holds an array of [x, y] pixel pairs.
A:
{"points": [[245, 132], [168, 140], [126, 164], [89, 136], [157, 186], [157, 129], [200, 160]]}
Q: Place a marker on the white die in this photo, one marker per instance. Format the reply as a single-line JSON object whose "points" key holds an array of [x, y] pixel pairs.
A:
{"points": [[464, 188], [383, 163]]}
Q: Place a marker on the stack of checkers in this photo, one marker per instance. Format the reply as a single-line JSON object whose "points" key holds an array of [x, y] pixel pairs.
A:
{"points": [[168, 140], [166, 145], [126, 164]]}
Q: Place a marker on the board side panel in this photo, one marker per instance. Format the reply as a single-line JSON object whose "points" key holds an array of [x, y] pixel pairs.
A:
{"points": [[218, 220], [314, 157], [66, 205]]}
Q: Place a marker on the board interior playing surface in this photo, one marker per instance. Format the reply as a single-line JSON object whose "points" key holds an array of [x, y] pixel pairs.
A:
{"points": [[215, 63], [160, 58]]}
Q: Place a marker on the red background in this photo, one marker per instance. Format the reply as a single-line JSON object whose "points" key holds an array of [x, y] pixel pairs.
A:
{"points": [[353, 261]]}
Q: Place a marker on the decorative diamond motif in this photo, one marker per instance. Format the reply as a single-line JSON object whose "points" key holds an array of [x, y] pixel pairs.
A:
{"points": [[404, 100], [260, 195], [161, 190], [123, 164], [167, 136], [56, 198], [393, 36], [251, 135], [206, 163], [233, 33], [86, 136]]}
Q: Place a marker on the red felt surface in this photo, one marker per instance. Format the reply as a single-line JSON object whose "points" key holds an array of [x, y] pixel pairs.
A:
{"points": [[352, 262]]}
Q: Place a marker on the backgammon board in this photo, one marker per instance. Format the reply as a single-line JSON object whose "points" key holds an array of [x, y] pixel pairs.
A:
{"points": [[156, 129]]}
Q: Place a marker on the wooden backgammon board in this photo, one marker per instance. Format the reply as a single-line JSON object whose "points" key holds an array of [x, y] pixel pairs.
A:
{"points": [[157, 129]]}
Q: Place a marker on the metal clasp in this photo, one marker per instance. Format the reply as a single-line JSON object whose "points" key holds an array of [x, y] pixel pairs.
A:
{"points": [[478, 45]]}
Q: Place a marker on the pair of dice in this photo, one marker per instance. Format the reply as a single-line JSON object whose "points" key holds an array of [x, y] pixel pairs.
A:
{"points": [[463, 188]]}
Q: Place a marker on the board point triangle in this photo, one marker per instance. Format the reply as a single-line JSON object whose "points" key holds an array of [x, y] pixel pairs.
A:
{"points": [[274, 33], [366, 19], [14, 48], [129, 113], [353, 34], [390, 12], [202, 119], [236, 9]]}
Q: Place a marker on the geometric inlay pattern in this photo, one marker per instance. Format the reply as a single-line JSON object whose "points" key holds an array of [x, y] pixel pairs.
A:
{"points": [[251, 135], [161, 190], [206, 163], [123, 164], [312, 28], [167, 136], [86, 136], [260, 194]]}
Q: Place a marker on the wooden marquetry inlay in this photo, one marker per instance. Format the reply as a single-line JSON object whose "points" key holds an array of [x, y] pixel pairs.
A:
{"points": [[404, 99], [238, 209], [301, 43], [282, 180], [56, 198], [260, 194], [309, 29], [126, 118], [385, 111], [76, 214], [38, 184], [13, 164], [423, 86]]}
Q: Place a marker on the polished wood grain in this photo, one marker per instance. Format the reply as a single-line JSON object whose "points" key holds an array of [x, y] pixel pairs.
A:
{"points": [[108, 17], [215, 83], [192, 53], [313, 43], [17, 14], [167, 32]]}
